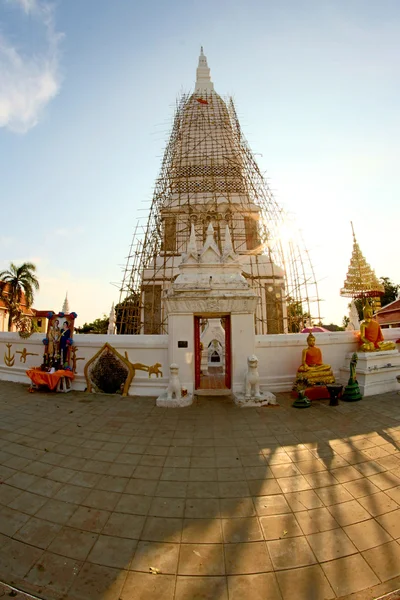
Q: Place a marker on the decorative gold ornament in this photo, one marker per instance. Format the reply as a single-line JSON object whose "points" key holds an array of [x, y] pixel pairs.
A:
{"points": [[9, 358], [25, 327], [95, 371], [155, 369], [152, 370], [361, 281], [74, 358], [24, 354], [107, 349]]}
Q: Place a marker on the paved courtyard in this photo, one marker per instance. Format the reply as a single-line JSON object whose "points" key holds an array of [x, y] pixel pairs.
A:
{"points": [[112, 498]]}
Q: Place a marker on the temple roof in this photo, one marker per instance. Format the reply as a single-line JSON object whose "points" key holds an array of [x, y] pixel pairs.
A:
{"points": [[22, 304]]}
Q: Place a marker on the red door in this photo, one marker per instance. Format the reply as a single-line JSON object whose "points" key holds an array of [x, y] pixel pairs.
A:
{"points": [[204, 382], [197, 353], [228, 360]]}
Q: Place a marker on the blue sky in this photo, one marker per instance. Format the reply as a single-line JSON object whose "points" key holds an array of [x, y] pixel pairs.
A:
{"points": [[87, 93]]}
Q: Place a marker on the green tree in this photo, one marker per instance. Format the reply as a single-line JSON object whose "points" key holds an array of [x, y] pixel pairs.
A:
{"points": [[14, 283], [391, 291], [333, 327], [96, 326], [345, 322], [390, 295]]}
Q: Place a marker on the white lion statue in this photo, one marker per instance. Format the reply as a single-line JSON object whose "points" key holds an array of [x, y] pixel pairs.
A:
{"points": [[252, 379], [173, 396], [174, 386], [252, 395]]}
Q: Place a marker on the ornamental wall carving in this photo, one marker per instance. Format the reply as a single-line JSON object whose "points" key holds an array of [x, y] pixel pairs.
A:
{"points": [[211, 305]]}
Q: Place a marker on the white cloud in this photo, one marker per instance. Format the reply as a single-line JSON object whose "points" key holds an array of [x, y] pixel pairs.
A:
{"points": [[29, 83], [68, 231], [27, 5]]}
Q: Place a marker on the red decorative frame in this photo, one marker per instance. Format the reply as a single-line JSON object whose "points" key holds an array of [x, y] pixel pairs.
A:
{"points": [[61, 317]]}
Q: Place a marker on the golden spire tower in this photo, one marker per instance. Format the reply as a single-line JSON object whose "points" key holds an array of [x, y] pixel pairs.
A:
{"points": [[361, 281]]}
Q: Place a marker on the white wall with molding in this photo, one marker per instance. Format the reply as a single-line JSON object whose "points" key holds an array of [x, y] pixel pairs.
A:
{"points": [[145, 349], [279, 356]]}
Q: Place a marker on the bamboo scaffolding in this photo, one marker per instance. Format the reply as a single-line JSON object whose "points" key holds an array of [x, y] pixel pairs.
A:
{"points": [[208, 173]]}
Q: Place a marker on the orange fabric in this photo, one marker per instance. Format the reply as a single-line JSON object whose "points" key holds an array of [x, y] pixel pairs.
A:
{"points": [[313, 357], [39, 377], [201, 101], [373, 333]]}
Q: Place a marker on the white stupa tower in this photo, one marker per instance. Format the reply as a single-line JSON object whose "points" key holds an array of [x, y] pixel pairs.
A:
{"points": [[208, 176], [65, 306], [112, 328]]}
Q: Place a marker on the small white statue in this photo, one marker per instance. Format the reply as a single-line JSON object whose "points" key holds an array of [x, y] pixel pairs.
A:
{"points": [[354, 323], [174, 386], [112, 328], [173, 397], [252, 395], [252, 379]]}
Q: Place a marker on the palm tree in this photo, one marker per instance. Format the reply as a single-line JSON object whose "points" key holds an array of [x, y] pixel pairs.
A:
{"points": [[14, 283]]}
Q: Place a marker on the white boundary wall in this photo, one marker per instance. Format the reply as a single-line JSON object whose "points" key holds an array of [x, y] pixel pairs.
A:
{"points": [[145, 349], [279, 356]]}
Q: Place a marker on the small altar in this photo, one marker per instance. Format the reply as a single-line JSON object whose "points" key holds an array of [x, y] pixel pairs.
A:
{"points": [[376, 371], [60, 380]]}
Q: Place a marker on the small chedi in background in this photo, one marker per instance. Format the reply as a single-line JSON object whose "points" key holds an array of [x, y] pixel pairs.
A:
{"points": [[312, 370], [58, 341], [354, 322], [371, 336]]}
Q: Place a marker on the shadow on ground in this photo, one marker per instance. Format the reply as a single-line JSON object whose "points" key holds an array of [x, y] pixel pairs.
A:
{"points": [[103, 497]]}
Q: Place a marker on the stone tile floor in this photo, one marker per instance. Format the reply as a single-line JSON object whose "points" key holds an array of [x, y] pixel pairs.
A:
{"points": [[213, 380], [112, 498]]}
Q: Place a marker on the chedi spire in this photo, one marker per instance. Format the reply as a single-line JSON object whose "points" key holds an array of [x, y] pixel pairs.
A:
{"points": [[203, 79], [361, 281], [65, 306]]}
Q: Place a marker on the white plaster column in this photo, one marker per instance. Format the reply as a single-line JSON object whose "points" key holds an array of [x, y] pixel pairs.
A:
{"points": [[242, 346], [181, 329]]}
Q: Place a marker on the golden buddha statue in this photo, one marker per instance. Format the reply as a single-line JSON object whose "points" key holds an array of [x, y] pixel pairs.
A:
{"points": [[313, 371], [371, 336]]}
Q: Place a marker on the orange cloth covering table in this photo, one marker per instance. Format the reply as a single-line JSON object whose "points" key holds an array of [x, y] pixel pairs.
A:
{"points": [[39, 377]]}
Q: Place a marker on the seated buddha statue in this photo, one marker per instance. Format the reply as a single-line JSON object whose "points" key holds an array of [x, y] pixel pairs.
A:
{"points": [[313, 371], [371, 336]]}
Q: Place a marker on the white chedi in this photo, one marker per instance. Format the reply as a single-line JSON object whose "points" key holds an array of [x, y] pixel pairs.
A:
{"points": [[354, 323], [112, 327], [65, 306], [252, 395], [173, 397]]}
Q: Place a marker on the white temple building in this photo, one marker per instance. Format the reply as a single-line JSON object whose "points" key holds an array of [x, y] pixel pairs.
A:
{"points": [[209, 175]]}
